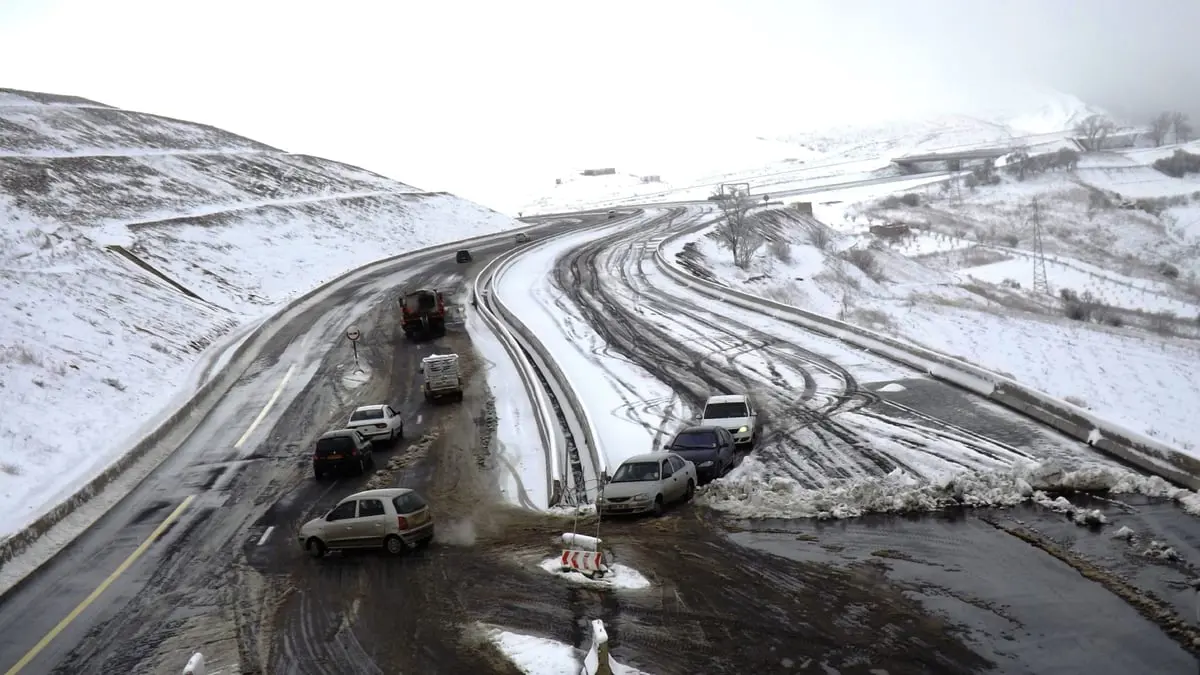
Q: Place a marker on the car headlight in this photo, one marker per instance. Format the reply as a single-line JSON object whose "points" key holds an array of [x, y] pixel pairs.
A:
{"points": [[705, 464], [743, 429], [642, 497]]}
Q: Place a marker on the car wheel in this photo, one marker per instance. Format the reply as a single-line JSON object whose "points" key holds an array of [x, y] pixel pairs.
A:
{"points": [[315, 547], [317, 475], [400, 434], [394, 545], [691, 491], [362, 466], [658, 506]]}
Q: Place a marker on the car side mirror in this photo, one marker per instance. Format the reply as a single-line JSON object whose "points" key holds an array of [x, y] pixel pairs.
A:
{"points": [[666, 446]]}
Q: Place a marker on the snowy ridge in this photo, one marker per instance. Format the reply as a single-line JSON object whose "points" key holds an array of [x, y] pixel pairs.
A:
{"points": [[242, 226]]}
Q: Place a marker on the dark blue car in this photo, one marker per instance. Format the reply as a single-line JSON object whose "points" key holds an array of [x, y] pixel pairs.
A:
{"points": [[709, 448]]}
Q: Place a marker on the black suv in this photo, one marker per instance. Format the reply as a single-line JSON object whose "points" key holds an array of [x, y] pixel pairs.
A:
{"points": [[340, 450], [463, 256]]}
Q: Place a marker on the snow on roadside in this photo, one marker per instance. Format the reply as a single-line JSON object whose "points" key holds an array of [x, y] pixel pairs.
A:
{"points": [[92, 335], [753, 490], [627, 404], [534, 655], [521, 470]]}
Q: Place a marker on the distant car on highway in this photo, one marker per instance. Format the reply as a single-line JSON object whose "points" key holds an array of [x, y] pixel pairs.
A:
{"points": [[612, 214], [735, 413], [522, 238], [709, 448], [341, 450], [377, 422], [394, 519], [647, 483], [463, 256]]}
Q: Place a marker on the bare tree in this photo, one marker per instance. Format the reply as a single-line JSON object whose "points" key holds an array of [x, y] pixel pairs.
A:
{"points": [[1095, 130], [739, 232], [1159, 126], [1181, 127]]}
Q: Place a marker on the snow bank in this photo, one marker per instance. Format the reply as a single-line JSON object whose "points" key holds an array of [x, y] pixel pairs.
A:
{"points": [[750, 491]]}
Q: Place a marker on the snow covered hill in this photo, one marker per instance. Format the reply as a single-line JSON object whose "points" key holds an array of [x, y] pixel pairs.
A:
{"points": [[130, 242], [672, 169]]}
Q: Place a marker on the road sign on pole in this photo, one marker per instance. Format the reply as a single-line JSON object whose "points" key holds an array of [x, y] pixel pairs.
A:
{"points": [[352, 333]]}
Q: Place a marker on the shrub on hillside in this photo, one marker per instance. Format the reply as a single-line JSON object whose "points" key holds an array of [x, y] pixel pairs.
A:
{"points": [[781, 249], [863, 260], [1010, 240], [1168, 270], [1179, 164], [819, 237]]}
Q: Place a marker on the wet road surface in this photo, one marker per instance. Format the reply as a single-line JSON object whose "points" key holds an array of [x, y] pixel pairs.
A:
{"points": [[949, 594]]}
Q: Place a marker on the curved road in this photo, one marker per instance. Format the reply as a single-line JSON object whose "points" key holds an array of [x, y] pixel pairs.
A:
{"points": [[958, 593]]}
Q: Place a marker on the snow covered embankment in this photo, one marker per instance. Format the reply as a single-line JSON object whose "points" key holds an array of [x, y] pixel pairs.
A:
{"points": [[104, 341]]}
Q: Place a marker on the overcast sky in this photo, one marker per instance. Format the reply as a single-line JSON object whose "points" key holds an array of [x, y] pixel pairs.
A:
{"points": [[461, 95]]}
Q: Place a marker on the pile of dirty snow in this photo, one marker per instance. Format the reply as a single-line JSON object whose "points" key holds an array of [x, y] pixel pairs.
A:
{"points": [[751, 493]]}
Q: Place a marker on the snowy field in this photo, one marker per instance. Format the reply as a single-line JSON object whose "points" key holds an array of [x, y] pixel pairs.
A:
{"points": [[91, 334], [798, 161], [535, 655]]}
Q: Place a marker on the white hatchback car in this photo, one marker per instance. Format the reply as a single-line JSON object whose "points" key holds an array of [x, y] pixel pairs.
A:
{"points": [[394, 519], [377, 422]]}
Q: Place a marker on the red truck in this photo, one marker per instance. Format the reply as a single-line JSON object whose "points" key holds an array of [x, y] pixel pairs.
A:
{"points": [[423, 314]]}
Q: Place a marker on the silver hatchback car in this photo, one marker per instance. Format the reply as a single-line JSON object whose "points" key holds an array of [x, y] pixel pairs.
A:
{"points": [[394, 519]]}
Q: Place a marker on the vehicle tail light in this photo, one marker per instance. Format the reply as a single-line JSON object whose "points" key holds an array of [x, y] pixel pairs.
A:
{"points": [[402, 522]]}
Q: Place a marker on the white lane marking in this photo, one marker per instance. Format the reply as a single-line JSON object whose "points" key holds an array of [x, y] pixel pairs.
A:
{"points": [[266, 535], [419, 418], [267, 408]]}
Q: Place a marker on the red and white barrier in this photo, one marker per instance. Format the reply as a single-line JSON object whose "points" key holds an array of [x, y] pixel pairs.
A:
{"points": [[195, 665], [587, 562]]}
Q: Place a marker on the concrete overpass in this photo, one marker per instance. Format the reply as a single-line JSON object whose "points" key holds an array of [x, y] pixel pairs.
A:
{"points": [[953, 159]]}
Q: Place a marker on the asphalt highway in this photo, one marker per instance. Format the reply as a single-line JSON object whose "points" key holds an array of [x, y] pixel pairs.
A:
{"points": [[202, 555]]}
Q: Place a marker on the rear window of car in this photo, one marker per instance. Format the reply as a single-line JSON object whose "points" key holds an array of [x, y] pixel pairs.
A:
{"points": [[420, 302], [696, 439], [375, 414], [334, 445], [408, 503], [720, 411]]}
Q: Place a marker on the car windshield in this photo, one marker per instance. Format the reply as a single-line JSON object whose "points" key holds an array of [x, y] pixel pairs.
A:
{"points": [[635, 472], [370, 414], [721, 411], [334, 445], [695, 439]]}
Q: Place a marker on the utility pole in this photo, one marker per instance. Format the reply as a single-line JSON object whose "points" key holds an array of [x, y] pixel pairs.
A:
{"points": [[1040, 283]]}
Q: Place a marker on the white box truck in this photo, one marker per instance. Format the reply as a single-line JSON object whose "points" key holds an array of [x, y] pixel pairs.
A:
{"points": [[442, 379]]}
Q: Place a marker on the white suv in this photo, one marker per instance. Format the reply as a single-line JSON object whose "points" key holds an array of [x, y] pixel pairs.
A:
{"points": [[734, 412]]}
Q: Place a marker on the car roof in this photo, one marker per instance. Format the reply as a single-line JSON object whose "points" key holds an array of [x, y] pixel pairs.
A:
{"points": [[337, 433], [647, 457], [381, 493], [706, 427], [728, 398], [375, 406]]}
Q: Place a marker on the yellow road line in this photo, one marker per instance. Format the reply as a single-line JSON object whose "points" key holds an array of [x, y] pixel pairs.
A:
{"points": [[37, 649], [267, 408]]}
